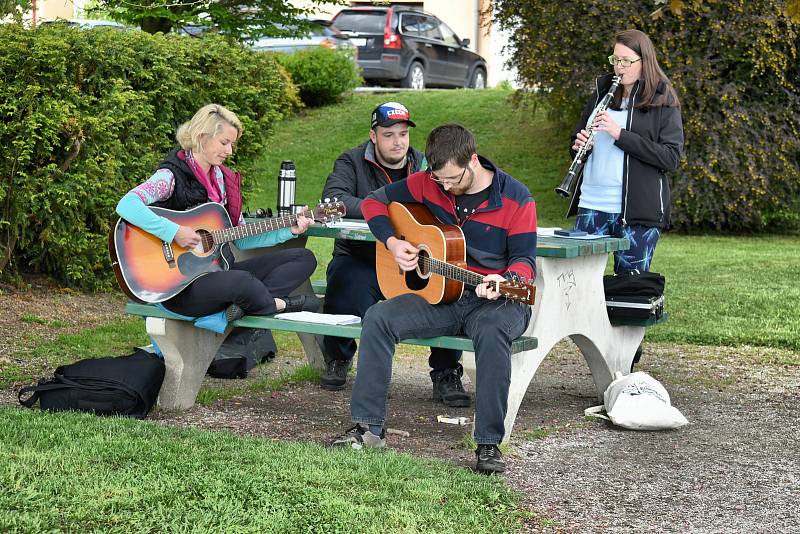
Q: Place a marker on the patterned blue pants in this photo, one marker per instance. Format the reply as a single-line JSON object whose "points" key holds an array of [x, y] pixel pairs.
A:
{"points": [[643, 238]]}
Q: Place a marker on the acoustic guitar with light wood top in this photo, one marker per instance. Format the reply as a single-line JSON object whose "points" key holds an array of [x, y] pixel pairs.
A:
{"points": [[441, 271]]}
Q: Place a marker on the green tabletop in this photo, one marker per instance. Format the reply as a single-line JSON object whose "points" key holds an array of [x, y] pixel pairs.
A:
{"points": [[547, 246]]}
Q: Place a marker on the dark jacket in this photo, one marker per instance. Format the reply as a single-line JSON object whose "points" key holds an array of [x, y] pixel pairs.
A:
{"points": [[188, 192], [653, 143], [356, 173]]}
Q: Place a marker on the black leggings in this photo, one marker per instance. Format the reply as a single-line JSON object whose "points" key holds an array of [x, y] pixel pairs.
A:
{"points": [[252, 284]]}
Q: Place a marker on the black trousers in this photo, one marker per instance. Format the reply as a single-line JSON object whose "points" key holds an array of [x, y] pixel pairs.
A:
{"points": [[352, 289], [252, 284]]}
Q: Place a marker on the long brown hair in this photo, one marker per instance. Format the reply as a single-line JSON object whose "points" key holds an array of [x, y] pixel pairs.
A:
{"points": [[653, 94]]}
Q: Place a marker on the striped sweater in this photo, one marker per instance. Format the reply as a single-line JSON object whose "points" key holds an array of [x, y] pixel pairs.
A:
{"points": [[500, 235]]}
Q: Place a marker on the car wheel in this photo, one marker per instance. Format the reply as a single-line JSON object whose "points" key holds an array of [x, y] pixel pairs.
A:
{"points": [[478, 80], [415, 79]]}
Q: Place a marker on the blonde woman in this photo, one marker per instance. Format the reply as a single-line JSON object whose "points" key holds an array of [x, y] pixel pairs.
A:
{"points": [[195, 174]]}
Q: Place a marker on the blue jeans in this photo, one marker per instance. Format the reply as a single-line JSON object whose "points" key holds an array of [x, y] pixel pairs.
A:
{"points": [[643, 238], [491, 324], [352, 289]]}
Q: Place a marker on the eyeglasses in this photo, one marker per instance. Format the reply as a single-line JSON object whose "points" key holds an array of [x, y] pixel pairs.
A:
{"points": [[622, 61], [448, 181]]}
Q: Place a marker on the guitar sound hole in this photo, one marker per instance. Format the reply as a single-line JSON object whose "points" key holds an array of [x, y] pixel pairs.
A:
{"points": [[206, 241], [418, 278]]}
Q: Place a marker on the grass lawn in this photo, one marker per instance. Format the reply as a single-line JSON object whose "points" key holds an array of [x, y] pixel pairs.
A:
{"points": [[73, 472], [78, 473]]}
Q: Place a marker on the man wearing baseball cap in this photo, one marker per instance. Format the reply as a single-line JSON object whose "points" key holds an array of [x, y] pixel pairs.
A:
{"points": [[352, 284]]}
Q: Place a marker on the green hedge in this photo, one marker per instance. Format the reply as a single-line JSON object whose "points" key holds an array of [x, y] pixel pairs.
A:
{"points": [[736, 68], [87, 114], [322, 75]]}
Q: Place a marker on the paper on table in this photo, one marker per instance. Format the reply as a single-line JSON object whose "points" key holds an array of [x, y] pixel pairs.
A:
{"points": [[323, 318], [353, 225]]}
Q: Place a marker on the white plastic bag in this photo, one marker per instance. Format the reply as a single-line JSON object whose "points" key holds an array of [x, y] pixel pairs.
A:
{"points": [[639, 402]]}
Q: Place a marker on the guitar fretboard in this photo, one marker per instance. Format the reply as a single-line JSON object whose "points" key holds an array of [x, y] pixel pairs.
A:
{"points": [[448, 270], [226, 235]]}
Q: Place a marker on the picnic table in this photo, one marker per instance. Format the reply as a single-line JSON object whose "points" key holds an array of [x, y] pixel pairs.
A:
{"points": [[570, 302]]}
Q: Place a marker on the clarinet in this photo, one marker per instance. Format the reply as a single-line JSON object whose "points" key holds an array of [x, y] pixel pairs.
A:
{"points": [[568, 183]]}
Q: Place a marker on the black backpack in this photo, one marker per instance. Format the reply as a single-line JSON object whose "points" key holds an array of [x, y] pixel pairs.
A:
{"points": [[243, 349], [124, 385]]}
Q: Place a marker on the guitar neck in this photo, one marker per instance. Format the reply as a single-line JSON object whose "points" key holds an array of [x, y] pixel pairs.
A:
{"points": [[233, 233], [451, 271]]}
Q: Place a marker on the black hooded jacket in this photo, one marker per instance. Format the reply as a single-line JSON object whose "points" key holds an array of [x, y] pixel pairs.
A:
{"points": [[653, 143]]}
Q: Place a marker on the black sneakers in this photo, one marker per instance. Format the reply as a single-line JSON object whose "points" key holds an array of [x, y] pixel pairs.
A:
{"points": [[233, 312], [296, 303], [334, 377], [490, 459], [359, 437], [447, 387]]}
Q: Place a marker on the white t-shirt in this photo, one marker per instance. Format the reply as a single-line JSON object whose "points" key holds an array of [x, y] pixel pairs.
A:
{"points": [[601, 188]]}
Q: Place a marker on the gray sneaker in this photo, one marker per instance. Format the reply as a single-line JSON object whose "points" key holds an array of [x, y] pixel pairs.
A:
{"points": [[359, 437]]}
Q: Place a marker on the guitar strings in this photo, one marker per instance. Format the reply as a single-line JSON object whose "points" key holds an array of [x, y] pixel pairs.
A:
{"points": [[238, 232], [465, 275]]}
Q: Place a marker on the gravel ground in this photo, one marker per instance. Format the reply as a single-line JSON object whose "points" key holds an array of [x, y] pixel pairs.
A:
{"points": [[735, 468]]}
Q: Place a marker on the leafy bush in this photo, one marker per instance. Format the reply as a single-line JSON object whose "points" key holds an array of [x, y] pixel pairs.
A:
{"points": [[87, 114], [322, 75], [736, 67]]}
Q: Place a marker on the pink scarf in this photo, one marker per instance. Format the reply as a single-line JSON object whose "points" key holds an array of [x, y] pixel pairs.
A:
{"points": [[232, 190]]}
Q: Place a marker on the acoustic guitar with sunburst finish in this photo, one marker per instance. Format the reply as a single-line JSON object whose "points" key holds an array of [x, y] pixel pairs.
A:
{"points": [[151, 270], [441, 271]]}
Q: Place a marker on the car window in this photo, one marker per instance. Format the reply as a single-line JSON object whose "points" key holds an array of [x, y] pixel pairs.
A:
{"points": [[448, 36], [361, 21], [410, 24], [429, 27]]}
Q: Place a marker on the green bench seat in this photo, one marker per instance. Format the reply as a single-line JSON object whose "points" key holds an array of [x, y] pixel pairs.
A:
{"points": [[350, 331]]}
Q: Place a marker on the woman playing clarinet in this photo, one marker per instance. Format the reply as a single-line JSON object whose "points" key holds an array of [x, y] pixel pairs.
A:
{"points": [[623, 190]]}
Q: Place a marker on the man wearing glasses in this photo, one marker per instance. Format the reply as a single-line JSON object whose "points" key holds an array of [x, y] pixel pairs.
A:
{"points": [[352, 283], [497, 215]]}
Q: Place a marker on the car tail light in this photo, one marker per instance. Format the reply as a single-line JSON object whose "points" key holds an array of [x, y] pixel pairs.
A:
{"points": [[327, 43], [390, 39]]}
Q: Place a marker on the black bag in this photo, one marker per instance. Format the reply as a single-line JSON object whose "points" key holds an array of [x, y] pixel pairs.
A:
{"points": [[124, 385], [634, 295], [242, 350]]}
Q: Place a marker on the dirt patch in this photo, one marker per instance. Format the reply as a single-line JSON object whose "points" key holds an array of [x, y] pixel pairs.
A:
{"points": [[43, 310], [733, 469]]}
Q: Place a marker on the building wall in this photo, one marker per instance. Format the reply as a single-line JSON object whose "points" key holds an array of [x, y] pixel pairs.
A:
{"points": [[55, 9]]}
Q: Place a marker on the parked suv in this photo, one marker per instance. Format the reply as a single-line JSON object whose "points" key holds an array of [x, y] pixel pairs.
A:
{"points": [[408, 46]]}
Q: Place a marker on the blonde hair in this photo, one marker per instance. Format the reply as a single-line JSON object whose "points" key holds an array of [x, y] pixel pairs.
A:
{"points": [[208, 121]]}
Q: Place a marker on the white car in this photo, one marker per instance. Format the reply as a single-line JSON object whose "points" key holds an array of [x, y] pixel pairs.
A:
{"points": [[322, 33]]}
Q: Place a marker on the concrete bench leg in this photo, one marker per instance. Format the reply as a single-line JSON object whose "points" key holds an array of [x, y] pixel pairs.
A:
{"points": [[188, 351], [616, 354], [569, 303]]}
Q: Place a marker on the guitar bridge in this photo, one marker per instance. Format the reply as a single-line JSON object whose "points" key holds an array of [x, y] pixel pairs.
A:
{"points": [[169, 255]]}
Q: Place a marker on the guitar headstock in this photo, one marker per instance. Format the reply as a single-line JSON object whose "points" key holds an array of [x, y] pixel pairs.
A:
{"points": [[520, 291], [326, 212]]}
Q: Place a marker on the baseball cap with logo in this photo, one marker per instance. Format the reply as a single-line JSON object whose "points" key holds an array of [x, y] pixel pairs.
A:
{"points": [[389, 114]]}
